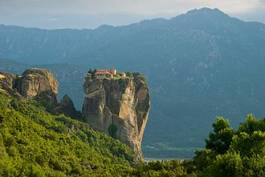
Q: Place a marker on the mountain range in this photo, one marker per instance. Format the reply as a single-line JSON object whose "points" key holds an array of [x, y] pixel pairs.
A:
{"points": [[199, 65]]}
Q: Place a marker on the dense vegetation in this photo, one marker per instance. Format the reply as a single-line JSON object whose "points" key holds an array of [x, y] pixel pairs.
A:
{"points": [[228, 153], [36, 143], [233, 153]]}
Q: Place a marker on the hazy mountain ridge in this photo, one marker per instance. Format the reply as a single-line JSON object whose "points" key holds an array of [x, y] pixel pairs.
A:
{"points": [[81, 42], [199, 65]]}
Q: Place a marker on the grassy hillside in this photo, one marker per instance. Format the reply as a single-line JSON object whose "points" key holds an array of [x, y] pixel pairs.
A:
{"points": [[36, 143]]}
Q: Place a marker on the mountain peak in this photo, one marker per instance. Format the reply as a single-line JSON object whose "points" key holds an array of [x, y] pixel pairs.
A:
{"points": [[206, 11]]}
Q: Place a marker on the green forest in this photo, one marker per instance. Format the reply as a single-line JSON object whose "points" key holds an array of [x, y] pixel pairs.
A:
{"points": [[36, 143]]}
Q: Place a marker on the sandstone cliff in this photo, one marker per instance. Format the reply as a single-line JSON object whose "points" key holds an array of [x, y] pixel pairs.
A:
{"points": [[39, 84], [118, 106], [35, 81]]}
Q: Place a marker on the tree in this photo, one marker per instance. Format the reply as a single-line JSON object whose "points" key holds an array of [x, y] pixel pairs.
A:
{"points": [[220, 139], [227, 165]]}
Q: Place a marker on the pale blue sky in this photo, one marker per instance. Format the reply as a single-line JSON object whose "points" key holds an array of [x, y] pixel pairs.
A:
{"points": [[92, 13]]}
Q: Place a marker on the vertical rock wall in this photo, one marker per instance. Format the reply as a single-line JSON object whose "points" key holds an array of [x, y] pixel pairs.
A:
{"points": [[118, 106]]}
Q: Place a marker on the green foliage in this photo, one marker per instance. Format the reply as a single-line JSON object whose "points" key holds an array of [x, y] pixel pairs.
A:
{"points": [[230, 153], [228, 165], [219, 140], [172, 168], [129, 74], [36, 143], [203, 158], [252, 124]]}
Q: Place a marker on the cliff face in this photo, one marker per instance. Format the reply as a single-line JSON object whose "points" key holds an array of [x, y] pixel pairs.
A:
{"points": [[118, 106]]}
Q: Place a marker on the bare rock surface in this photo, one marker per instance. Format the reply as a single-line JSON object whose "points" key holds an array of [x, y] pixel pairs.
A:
{"points": [[119, 106], [35, 81]]}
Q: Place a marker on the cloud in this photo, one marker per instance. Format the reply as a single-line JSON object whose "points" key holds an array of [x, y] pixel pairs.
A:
{"points": [[139, 7]]}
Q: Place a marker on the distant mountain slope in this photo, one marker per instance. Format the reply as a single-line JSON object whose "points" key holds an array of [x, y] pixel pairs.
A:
{"points": [[12, 66], [199, 64]]}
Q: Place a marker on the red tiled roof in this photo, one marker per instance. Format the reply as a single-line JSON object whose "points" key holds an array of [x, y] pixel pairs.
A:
{"points": [[103, 72]]}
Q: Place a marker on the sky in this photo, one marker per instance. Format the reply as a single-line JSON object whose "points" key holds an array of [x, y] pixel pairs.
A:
{"points": [[52, 14]]}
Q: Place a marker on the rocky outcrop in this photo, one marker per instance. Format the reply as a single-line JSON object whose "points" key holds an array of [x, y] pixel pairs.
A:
{"points": [[66, 106], [36, 81], [41, 85], [7, 79], [33, 83], [8, 82], [118, 106]]}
